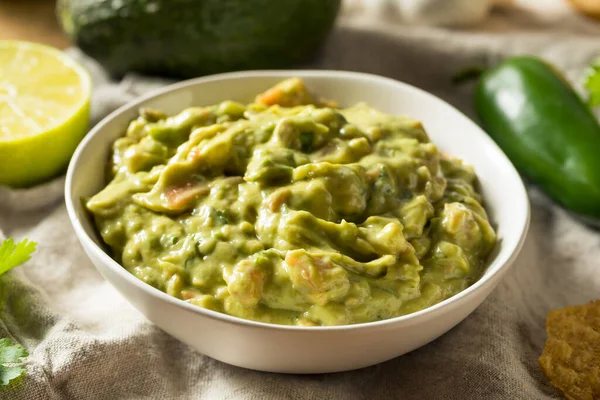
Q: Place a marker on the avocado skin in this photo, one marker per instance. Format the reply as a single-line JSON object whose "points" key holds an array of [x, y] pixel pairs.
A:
{"points": [[187, 38]]}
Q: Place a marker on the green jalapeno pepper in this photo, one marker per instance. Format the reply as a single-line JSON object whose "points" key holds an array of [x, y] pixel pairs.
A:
{"points": [[545, 128]]}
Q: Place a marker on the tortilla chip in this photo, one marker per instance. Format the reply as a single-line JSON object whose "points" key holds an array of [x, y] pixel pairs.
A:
{"points": [[571, 356]]}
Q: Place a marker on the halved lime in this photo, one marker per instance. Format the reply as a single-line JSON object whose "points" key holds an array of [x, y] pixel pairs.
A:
{"points": [[44, 111]]}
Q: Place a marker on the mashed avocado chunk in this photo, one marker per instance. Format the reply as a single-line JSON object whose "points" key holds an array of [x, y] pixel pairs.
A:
{"points": [[292, 211]]}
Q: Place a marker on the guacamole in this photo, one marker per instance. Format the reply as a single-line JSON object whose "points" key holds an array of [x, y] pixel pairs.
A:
{"points": [[290, 210]]}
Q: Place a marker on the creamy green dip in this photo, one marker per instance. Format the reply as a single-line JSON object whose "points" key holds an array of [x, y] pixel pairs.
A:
{"points": [[292, 211]]}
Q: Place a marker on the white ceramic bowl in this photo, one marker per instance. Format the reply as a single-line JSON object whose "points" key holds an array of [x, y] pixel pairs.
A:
{"points": [[293, 349]]}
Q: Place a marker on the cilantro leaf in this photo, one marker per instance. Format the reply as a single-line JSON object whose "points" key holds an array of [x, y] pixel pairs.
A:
{"points": [[306, 141], [222, 217], [11, 353], [592, 82], [7, 374], [11, 363], [12, 255]]}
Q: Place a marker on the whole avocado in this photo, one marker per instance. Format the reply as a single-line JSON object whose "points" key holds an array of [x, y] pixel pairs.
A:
{"points": [[187, 38]]}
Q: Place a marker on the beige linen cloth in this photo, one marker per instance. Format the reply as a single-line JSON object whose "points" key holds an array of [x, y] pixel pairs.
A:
{"points": [[86, 342]]}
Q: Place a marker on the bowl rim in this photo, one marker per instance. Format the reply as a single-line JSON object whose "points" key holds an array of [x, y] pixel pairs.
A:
{"points": [[469, 293]]}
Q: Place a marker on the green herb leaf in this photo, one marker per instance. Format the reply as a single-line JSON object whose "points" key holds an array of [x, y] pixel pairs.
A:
{"points": [[592, 82], [11, 353], [222, 217], [11, 363], [12, 255], [306, 141], [390, 291]]}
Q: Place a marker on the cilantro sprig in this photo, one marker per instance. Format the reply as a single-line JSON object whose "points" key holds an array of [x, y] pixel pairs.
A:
{"points": [[11, 354], [12, 255], [12, 364]]}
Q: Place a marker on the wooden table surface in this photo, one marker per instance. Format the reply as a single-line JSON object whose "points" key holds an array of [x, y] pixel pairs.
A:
{"points": [[32, 20]]}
